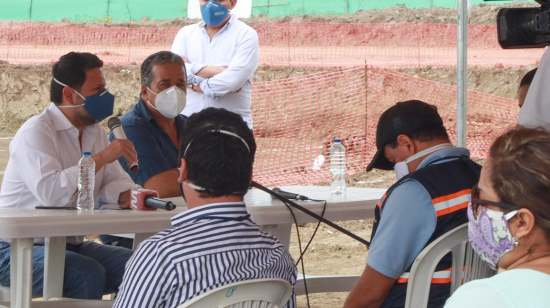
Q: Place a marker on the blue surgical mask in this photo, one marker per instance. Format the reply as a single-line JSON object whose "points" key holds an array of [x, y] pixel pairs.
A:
{"points": [[99, 106], [213, 13]]}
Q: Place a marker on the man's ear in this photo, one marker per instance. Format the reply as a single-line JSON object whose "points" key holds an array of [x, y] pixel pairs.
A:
{"points": [[183, 171], [405, 141], [233, 4], [68, 95], [144, 93]]}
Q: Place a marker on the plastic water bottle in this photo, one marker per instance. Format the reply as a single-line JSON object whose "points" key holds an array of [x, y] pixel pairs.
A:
{"points": [[86, 182], [337, 163]]}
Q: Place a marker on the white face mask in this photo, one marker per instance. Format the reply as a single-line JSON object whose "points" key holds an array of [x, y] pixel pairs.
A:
{"points": [[402, 168], [170, 102]]}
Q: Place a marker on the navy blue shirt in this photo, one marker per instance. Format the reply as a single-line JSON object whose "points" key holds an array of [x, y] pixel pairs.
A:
{"points": [[155, 150]]}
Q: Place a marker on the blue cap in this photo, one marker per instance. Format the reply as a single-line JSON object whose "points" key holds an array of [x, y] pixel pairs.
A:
{"points": [[337, 140], [87, 153]]}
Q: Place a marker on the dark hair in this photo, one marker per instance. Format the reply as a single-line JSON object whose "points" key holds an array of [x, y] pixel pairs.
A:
{"points": [[160, 57], [527, 78], [220, 163], [71, 70], [426, 134], [520, 171]]}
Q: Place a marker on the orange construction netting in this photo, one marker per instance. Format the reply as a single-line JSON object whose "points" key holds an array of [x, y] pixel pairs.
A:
{"points": [[294, 44], [296, 119]]}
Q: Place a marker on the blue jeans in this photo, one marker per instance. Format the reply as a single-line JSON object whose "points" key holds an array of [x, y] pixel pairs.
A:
{"points": [[91, 269]]}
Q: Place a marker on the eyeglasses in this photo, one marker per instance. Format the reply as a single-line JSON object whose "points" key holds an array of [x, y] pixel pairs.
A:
{"points": [[476, 202]]}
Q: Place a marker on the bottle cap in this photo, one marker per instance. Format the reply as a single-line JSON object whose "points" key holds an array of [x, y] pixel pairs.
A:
{"points": [[86, 153], [337, 140]]}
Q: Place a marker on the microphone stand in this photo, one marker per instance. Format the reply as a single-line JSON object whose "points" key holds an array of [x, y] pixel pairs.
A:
{"points": [[310, 213]]}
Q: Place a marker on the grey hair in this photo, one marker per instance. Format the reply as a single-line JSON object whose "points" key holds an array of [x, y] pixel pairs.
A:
{"points": [[160, 57]]}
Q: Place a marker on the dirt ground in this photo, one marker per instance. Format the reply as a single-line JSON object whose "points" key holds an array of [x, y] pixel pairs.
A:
{"points": [[24, 91]]}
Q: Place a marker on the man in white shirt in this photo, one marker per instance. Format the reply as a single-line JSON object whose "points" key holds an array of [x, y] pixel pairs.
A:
{"points": [[221, 55], [535, 111], [43, 171]]}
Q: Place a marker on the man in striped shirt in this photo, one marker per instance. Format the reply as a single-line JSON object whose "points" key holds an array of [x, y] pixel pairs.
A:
{"points": [[214, 243]]}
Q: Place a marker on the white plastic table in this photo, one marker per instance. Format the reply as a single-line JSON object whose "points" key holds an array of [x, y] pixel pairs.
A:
{"points": [[23, 225]]}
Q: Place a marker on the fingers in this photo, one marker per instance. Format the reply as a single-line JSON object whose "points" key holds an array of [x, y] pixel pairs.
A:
{"points": [[121, 147]]}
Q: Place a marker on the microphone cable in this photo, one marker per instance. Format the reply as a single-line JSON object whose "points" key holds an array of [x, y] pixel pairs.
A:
{"points": [[321, 218], [287, 203]]}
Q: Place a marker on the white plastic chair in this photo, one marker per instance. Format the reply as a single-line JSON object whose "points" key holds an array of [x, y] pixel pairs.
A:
{"points": [[467, 266], [265, 293]]}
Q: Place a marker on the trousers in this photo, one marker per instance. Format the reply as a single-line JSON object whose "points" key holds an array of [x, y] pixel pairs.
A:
{"points": [[91, 269]]}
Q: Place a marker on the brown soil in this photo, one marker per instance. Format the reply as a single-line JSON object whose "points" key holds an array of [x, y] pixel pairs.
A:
{"points": [[24, 92]]}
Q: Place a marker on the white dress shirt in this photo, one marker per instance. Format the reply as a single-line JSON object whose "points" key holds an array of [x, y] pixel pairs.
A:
{"points": [[43, 164], [236, 47], [535, 111]]}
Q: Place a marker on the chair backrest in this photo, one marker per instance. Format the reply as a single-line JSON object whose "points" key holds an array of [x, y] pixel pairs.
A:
{"points": [[268, 293], [4, 294], [467, 266]]}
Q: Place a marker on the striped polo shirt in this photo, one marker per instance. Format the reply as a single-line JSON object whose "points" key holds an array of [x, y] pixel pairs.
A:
{"points": [[210, 246]]}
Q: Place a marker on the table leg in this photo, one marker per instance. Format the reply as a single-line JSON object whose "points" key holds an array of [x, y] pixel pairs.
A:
{"points": [[282, 232], [54, 266], [21, 254]]}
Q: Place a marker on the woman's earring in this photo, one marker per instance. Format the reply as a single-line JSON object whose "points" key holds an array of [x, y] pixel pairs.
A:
{"points": [[516, 243]]}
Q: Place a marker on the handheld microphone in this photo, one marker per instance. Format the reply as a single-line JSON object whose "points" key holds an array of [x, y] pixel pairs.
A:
{"points": [[115, 126], [289, 195], [151, 201]]}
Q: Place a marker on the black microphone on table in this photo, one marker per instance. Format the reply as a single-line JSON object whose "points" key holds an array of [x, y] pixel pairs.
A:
{"points": [[115, 126], [289, 195], [151, 201]]}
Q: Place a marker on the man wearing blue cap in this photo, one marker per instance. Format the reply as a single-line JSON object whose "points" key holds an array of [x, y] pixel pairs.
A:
{"points": [[221, 55], [434, 181]]}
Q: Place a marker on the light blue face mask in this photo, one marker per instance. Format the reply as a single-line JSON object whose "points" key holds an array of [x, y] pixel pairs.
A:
{"points": [[99, 106], [213, 13]]}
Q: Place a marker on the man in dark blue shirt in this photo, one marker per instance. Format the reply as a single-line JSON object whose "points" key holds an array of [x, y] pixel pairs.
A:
{"points": [[155, 125]]}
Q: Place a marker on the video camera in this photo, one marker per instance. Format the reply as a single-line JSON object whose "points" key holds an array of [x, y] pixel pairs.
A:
{"points": [[524, 27]]}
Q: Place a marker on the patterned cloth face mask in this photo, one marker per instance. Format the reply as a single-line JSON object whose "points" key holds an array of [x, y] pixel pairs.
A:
{"points": [[489, 233]]}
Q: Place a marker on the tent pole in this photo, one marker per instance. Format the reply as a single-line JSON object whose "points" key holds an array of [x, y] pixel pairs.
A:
{"points": [[462, 73]]}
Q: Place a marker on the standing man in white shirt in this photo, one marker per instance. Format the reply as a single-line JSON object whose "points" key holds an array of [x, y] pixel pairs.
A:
{"points": [[221, 55], [43, 170]]}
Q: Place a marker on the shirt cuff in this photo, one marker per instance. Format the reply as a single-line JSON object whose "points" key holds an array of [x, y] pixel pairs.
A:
{"points": [[69, 179], [111, 193], [205, 87]]}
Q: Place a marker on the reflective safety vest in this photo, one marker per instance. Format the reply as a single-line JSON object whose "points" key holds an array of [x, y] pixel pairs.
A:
{"points": [[449, 184]]}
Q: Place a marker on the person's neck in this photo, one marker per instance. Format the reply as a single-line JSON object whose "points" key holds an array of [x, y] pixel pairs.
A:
{"points": [[165, 123], [537, 261], [421, 146], [69, 114], [194, 200], [213, 30]]}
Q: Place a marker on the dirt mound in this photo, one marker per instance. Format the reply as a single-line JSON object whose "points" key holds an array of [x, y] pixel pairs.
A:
{"points": [[24, 89]]}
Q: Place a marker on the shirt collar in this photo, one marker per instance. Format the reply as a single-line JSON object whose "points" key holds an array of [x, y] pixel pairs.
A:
{"points": [[230, 210], [143, 111], [454, 151], [60, 121]]}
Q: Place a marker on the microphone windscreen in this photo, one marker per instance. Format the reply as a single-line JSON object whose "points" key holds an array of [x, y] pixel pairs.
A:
{"points": [[113, 122]]}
